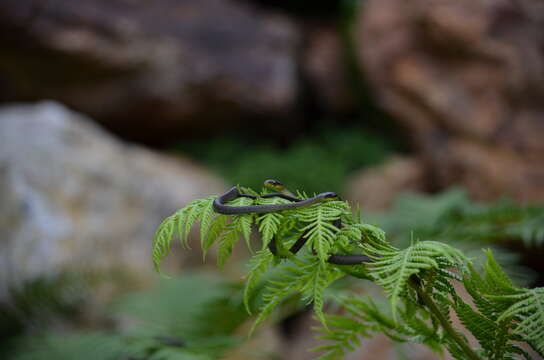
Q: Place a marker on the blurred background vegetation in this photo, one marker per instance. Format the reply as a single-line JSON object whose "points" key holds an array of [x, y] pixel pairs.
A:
{"points": [[317, 162], [116, 113]]}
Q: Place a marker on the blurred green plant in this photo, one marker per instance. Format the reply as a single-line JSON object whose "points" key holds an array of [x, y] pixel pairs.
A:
{"points": [[418, 280], [452, 216], [30, 305], [190, 318], [316, 164]]}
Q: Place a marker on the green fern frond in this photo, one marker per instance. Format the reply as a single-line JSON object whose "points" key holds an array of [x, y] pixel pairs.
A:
{"points": [[318, 276], [206, 218], [495, 276], [477, 287], [484, 329], [455, 350], [352, 232], [503, 306], [365, 317], [319, 229], [269, 223], [185, 223], [301, 195], [246, 190], [513, 349], [417, 327], [290, 279], [216, 229], [308, 276], [180, 223], [528, 310], [392, 268], [258, 265], [240, 224], [344, 334], [163, 239], [226, 245], [192, 212], [243, 222], [374, 235], [366, 310], [348, 237]]}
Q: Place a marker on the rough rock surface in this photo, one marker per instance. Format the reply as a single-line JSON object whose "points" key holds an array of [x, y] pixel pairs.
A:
{"points": [[376, 188], [466, 80], [151, 69], [74, 197]]}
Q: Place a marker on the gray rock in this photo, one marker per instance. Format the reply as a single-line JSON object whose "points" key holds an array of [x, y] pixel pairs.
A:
{"points": [[72, 196]]}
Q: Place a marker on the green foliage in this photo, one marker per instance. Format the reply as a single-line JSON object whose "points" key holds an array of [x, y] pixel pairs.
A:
{"points": [[329, 156], [84, 346], [212, 229], [366, 317], [180, 223], [451, 216], [418, 279], [239, 226], [503, 316], [393, 268], [191, 318], [509, 307], [269, 223], [527, 306], [259, 264], [320, 230], [307, 275], [345, 336], [35, 303]]}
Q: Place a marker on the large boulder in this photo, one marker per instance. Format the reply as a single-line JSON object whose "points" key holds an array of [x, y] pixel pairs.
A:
{"points": [[74, 197], [151, 70], [465, 80]]}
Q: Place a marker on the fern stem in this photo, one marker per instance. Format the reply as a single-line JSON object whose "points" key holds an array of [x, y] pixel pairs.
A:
{"points": [[431, 305]]}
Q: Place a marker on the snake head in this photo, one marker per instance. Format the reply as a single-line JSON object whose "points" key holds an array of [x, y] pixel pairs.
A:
{"points": [[274, 185], [330, 196]]}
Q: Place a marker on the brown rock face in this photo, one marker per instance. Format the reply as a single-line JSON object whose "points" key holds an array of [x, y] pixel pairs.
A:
{"points": [[376, 188], [151, 69], [466, 80]]}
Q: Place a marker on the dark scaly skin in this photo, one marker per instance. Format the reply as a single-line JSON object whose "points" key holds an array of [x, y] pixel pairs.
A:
{"points": [[233, 193]]}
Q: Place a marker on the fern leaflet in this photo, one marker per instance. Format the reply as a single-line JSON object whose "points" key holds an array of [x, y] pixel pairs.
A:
{"points": [[269, 223], [392, 268], [259, 264], [320, 231]]}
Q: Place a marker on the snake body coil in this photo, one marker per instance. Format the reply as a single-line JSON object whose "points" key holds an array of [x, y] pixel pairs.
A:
{"points": [[219, 204]]}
